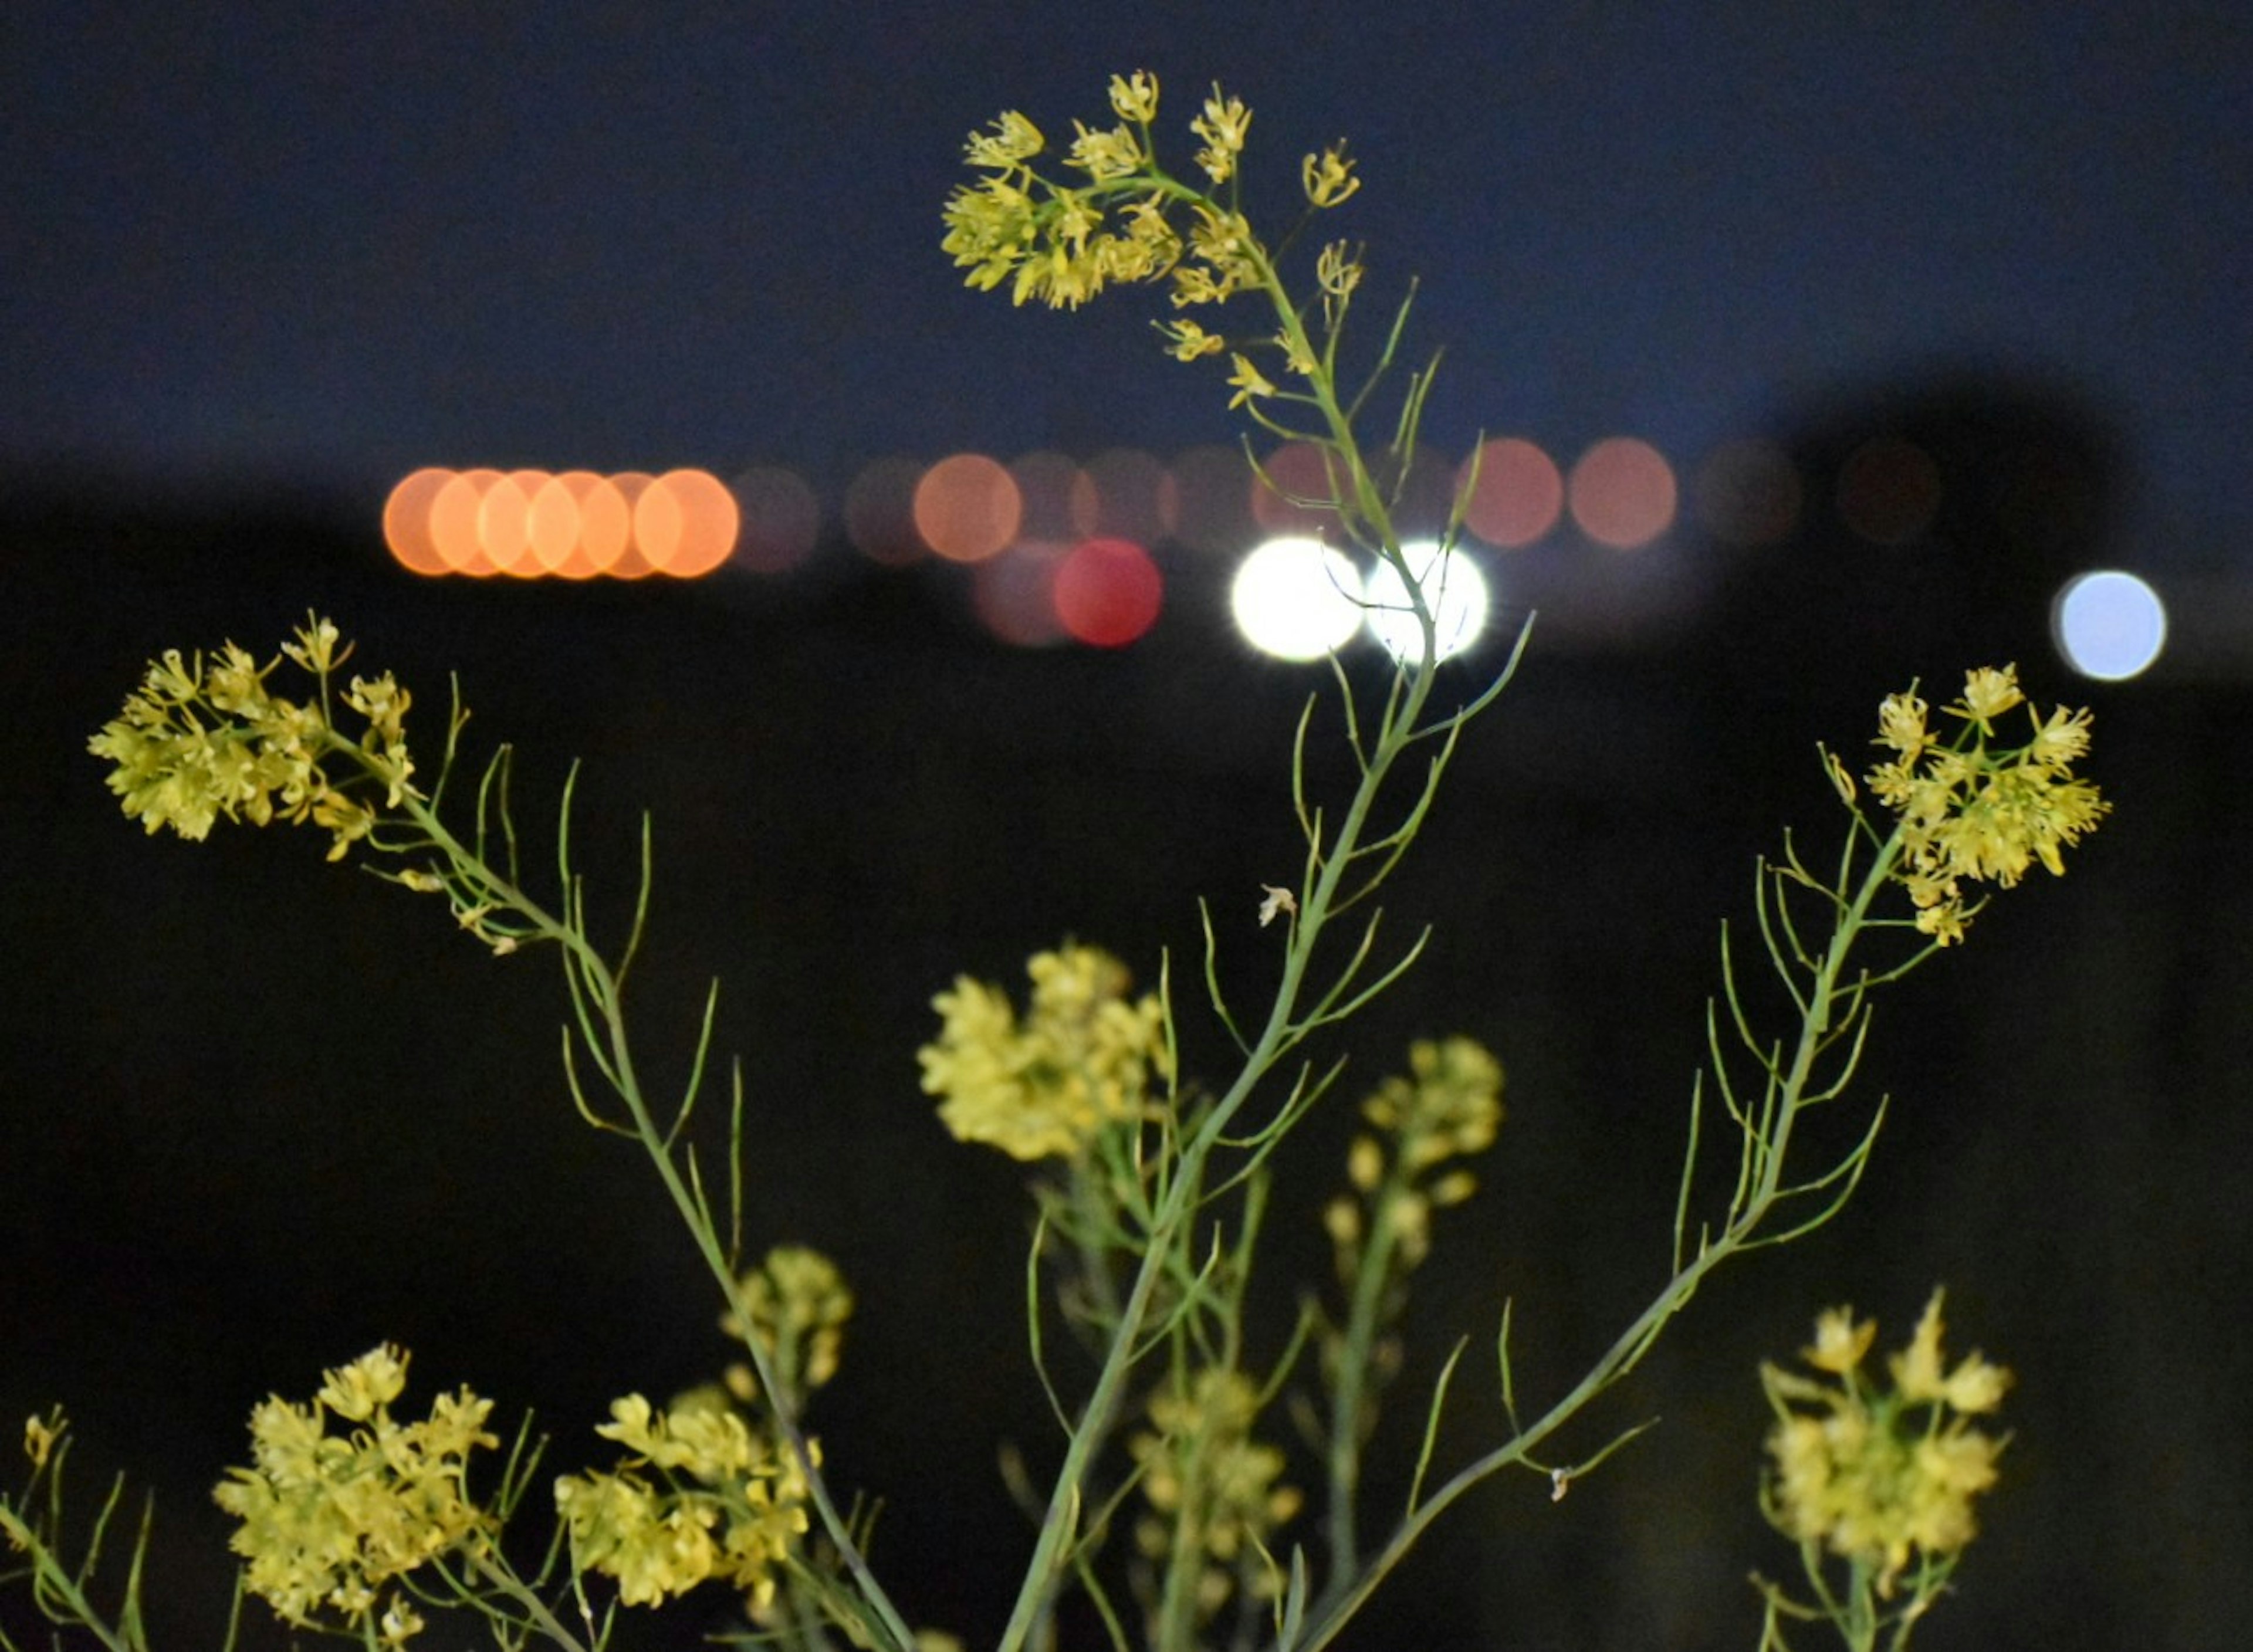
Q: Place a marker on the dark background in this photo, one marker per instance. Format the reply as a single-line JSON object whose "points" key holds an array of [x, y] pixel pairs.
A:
{"points": [[261, 1113]]}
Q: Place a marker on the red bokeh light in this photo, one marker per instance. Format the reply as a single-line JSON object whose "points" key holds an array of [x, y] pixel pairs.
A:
{"points": [[1108, 592]]}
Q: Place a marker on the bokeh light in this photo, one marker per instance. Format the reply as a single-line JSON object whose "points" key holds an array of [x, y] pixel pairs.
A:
{"points": [[1623, 493], [456, 530], [1013, 593], [967, 507], [880, 512], [1748, 493], [1295, 470], [692, 523], [531, 525], [1055, 496], [605, 527], [1888, 491], [505, 522], [553, 526], [1296, 598], [781, 519], [1517, 494], [406, 520], [1108, 592], [1213, 513], [1453, 585], [2109, 626], [1129, 494]]}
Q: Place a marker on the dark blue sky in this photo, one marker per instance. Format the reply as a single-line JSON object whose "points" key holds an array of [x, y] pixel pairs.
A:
{"points": [[331, 244]]}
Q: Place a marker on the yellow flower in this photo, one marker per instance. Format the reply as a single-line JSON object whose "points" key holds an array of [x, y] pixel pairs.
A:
{"points": [[1987, 695], [798, 1304], [1328, 177], [1106, 155], [1083, 1058], [1839, 1343], [1874, 1476], [357, 1391], [1186, 341], [1974, 812], [1451, 1105], [1013, 141], [1901, 725], [733, 1509], [1135, 97], [1202, 1472], [39, 1436], [1222, 125], [327, 1519], [194, 745], [1249, 382], [1337, 271]]}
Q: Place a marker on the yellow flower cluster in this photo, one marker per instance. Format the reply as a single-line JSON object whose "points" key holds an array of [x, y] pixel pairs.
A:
{"points": [[1449, 1106], [1874, 1475], [1062, 243], [329, 1518], [202, 739], [799, 1303], [1210, 1484], [1970, 810], [1086, 1056], [701, 1496]]}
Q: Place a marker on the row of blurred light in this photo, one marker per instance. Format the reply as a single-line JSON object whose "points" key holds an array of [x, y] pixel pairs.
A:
{"points": [[970, 507], [576, 526], [1059, 550]]}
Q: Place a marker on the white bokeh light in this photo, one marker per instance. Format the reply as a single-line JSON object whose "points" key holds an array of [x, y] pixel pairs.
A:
{"points": [[2109, 625], [1297, 599], [1456, 590]]}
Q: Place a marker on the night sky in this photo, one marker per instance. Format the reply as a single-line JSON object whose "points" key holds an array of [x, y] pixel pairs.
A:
{"points": [[259, 1112]]}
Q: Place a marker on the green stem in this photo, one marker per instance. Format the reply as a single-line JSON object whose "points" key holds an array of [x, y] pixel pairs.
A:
{"points": [[1345, 1598], [602, 983], [1397, 729], [504, 1578], [1347, 1427]]}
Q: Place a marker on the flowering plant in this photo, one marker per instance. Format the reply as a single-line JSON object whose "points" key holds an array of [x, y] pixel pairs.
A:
{"points": [[1173, 1510]]}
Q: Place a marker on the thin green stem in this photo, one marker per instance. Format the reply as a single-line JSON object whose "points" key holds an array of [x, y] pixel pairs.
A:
{"points": [[1347, 1594], [596, 985]]}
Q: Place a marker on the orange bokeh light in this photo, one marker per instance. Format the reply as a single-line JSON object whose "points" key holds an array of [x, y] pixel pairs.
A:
{"points": [[552, 524], [1623, 493], [406, 520], [967, 507], [1517, 495], [605, 529], [456, 532], [685, 523], [505, 522], [530, 524]]}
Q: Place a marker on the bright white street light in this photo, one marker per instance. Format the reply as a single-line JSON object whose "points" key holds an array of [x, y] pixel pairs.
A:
{"points": [[1297, 599], [2109, 626], [1453, 586]]}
